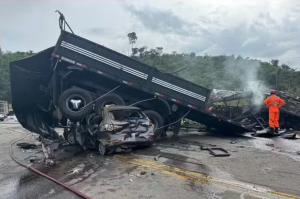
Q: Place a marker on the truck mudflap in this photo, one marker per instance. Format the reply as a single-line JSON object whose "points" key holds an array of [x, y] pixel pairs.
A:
{"points": [[30, 78]]}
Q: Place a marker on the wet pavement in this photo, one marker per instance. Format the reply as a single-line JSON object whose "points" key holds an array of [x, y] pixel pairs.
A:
{"points": [[257, 167]]}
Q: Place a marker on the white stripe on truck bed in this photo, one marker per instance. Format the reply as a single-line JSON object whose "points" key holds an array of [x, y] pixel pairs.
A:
{"points": [[130, 70], [104, 60], [178, 89]]}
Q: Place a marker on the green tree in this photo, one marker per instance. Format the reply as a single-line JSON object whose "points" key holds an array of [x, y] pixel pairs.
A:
{"points": [[132, 38], [135, 51], [5, 59]]}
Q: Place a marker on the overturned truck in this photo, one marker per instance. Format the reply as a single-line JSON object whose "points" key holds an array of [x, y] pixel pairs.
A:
{"points": [[77, 78]]}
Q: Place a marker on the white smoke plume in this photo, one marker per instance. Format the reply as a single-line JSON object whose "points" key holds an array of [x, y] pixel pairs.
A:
{"points": [[246, 71]]}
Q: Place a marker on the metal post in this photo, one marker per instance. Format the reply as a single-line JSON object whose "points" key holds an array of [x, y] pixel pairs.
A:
{"points": [[276, 79]]}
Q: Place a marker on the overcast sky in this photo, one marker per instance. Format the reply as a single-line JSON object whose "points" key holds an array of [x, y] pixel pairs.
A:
{"points": [[260, 29]]}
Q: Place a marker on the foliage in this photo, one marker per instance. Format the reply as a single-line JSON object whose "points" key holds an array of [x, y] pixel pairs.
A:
{"points": [[132, 38], [223, 71], [5, 58], [220, 72]]}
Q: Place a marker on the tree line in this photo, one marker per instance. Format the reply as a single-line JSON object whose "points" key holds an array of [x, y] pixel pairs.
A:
{"points": [[226, 72], [221, 72], [5, 58]]}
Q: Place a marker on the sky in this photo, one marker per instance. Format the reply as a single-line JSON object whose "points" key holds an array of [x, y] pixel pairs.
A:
{"points": [[258, 29]]}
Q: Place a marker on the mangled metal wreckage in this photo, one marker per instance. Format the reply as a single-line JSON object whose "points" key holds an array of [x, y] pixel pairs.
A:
{"points": [[76, 79], [121, 128], [242, 107]]}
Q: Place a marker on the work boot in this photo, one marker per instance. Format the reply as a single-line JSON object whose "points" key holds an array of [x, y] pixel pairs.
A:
{"points": [[276, 130], [270, 130]]}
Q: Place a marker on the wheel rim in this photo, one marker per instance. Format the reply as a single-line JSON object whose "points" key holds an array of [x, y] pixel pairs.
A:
{"points": [[101, 149], [70, 138], [75, 103]]}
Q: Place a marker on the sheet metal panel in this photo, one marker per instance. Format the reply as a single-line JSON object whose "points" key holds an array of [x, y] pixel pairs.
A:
{"points": [[97, 57]]}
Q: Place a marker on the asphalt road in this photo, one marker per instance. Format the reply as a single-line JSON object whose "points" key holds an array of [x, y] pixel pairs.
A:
{"points": [[253, 170]]}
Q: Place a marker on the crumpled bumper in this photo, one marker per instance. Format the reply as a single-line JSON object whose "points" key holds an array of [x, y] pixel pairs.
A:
{"points": [[117, 140]]}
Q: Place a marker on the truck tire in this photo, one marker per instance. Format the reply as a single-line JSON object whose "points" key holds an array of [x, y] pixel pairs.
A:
{"points": [[157, 121], [75, 110], [109, 99]]}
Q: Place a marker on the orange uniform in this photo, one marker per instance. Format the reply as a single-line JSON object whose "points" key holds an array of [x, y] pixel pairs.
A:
{"points": [[274, 102]]}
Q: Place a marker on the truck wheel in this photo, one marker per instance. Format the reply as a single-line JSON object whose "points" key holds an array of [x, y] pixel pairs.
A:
{"points": [[109, 99], [72, 103], [157, 121]]}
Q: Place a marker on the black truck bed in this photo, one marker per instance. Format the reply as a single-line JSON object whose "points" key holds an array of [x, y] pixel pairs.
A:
{"points": [[111, 64]]}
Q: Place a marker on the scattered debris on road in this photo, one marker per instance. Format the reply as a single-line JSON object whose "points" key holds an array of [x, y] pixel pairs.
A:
{"points": [[289, 136], [277, 149], [35, 159], [25, 145], [143, 172], [298, 152], [232, 142], [183, 142], [269, 144], [157, 157], [213, 149]]}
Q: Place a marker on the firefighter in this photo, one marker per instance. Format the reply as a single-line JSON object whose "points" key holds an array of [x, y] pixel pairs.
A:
{"points": [[273, 102]]}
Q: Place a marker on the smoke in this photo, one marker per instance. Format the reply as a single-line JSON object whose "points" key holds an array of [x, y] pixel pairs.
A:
{"points": [[233, 74], [245, 72]]}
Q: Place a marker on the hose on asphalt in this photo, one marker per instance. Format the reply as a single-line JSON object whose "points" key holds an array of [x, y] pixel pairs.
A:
{"points": [[43, 174]]}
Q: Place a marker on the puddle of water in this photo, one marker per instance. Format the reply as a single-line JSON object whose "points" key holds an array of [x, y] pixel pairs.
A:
{"points": [[282, 146]]}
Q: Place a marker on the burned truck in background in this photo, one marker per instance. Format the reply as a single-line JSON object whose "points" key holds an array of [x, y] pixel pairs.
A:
{"points": [[243, 108]]}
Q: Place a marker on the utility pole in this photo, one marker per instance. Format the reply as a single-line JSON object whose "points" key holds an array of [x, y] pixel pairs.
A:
{"points": [[276, 79]]}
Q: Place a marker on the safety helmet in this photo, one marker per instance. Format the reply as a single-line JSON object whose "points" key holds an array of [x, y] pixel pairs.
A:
{"points": [[273, 92]]}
